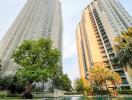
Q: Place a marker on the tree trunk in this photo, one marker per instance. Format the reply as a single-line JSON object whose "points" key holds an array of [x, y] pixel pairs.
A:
{"points": [[27, 93], [101, 90], [128, 74], [108, 90], [43, 86], [125, 68]]}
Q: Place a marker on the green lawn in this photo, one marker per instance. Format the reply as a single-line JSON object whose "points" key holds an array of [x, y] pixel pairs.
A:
{"points": [[17, 98]]}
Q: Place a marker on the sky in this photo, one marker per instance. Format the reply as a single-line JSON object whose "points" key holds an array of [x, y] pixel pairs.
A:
{"points": [[71, 12]]}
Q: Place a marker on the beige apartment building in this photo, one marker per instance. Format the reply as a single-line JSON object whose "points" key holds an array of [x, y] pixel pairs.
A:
{"points": [[101, 21]]}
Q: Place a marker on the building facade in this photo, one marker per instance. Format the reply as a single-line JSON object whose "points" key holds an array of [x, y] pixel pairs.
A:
{"points": [[38, 18], [101, 21]]}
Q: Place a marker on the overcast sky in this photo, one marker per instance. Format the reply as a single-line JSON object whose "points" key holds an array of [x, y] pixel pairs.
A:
{"points": [[71, 10]]}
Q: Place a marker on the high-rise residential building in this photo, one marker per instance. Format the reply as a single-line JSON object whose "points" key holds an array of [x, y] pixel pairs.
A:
{"points": [[38, 18], [101, 21]]}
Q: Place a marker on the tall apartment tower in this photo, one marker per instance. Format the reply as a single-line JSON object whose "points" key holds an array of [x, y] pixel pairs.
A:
{"points": [[101, 21], [38, 18]]}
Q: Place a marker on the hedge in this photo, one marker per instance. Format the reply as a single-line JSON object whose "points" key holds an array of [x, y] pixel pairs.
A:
{"points": [[125, 92], [3, 94]]}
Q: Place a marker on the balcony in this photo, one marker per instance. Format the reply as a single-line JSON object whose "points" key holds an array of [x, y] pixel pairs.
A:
{"points": [[121, 73], [104, 36], [102, 29], [96, 15], [112, 55], [104, 56], [100, 43], [106, 41], [102, 51], [118, 69], [124, 81], [95, 27], [109, 47], [97, 33], [97, 36], [99, 24], [92, 20], [98, 20], [106, 64], [106, 61], [101, 47], [108, 67], [93, 24], [98, 39]]}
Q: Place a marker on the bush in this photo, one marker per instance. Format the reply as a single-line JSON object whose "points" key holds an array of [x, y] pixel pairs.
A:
{"points": [[12, 95], [129, 92], [3, 94]]}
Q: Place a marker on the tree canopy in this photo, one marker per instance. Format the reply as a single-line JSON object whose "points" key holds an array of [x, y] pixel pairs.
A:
{"points": [[81, 86], [123, 48], [37, 60], [101, 75], [62, 82]]}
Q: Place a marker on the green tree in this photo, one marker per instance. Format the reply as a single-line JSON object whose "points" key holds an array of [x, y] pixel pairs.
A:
{"points": [[10, 83], [62, 82], [123, 48], [101, 76], [5, 82], [38, 61], [65, 82], [81, 86]]}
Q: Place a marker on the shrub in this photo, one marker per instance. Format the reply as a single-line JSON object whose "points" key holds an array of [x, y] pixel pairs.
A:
{"points": [[125, 92], [3, 94]]}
